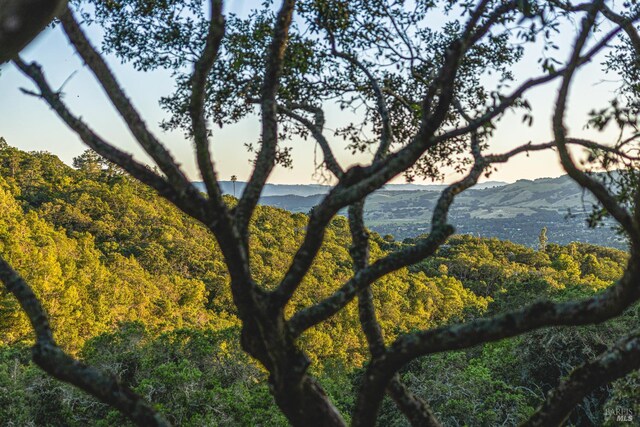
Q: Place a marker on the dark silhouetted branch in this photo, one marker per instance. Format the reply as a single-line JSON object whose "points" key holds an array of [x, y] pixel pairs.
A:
{"points": [[269, 117], [127, 112], [316, 128], [192, 205], [560, 133], [196, 105], [413, 407], [58, 364], [614, 363]]}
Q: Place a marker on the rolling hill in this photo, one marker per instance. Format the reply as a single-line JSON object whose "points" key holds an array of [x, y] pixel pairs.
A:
{"points": [[513, 212], [316, 189]]}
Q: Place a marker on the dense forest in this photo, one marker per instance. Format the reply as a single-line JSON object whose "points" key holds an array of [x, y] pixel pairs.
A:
{"points": [[137, 288]]}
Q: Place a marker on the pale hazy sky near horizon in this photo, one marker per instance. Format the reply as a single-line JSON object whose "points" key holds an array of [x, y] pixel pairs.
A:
{"points": [[27, 123]]}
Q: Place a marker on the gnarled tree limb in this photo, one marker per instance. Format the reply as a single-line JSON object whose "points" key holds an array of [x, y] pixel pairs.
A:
{"points": [[123, 105], [269, 118], [58, 364], [413, 407], [201, 71], [614, 363], [191, 205]]}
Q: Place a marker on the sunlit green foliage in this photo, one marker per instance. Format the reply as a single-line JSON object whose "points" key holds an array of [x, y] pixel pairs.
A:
{"points": [[101, 249], [135, 287]]}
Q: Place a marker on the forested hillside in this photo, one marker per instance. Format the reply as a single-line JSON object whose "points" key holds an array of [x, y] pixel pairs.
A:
{"points": [[137, 288]]}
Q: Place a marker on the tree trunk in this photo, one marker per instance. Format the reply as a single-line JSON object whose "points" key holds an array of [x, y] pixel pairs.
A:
{"points": [[300, 397]]}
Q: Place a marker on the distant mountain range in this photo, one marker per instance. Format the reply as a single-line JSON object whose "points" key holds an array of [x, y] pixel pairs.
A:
{"points": [[315, 189], [513, 212]]}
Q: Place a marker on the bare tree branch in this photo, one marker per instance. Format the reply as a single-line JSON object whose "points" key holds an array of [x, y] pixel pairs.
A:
{"points": [[591, 145], [415, 409], [57, 363], [129, 114], [626, 24], [192, 205], [595, 187], [269, 109], [412, 406], [359, 251], [316, 129], [614, 363], [610, 303], [196, 105]]}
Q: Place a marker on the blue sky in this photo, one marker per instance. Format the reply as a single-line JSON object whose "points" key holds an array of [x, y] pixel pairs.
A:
{"points": [[27, 123]]}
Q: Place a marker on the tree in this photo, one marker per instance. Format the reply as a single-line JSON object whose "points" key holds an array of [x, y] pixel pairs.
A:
{"points": [[89, 162], [542, 239], [419, 93], [233, 180]]}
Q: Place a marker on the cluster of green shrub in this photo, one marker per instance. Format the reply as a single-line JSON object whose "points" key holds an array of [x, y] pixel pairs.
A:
{"points": [[135, 287]]}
